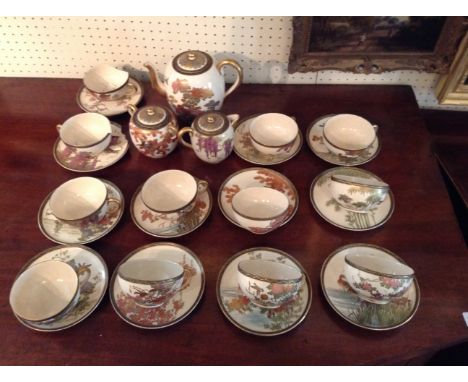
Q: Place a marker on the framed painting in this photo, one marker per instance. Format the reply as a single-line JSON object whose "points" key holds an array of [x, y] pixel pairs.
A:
{"points": [[375, 44], [452, 88]]}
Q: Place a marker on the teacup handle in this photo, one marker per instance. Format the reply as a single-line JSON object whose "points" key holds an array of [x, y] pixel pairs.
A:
{"points": [[58, 127], [180, 136], [233, 118], [376, 128], [202, 185], [131, 109], [116, 201], [239, 73]]}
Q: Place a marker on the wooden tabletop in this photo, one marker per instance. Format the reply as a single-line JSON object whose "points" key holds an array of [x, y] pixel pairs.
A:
{"points": [[423, 231]]}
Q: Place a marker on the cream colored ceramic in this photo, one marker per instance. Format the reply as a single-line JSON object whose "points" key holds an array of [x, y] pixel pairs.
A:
{"points": [[268, 284], [153, 130], [84, 230], [86, 133], [92, 279], [377, 279], [316, 143], [245, 149], [150, 282], [70, 159], [211, 136], [346, 302], [348, 134], [357, 193], [193, 83], [174, 309], [171, 192], [104, 78], [272, 132], [255, 319], [257, 208], [44, 291], [334, 213], [79, 198], [258, 177]]}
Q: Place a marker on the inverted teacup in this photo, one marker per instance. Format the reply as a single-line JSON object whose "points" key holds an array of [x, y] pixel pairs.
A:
{"points": [[104, 78], [348, 134], [172, 193], [272, 133], [81, 200], [377, 279], [356, 193], [268, 284], [257, 208], [149, 282], [44, 291], [87, 133]]}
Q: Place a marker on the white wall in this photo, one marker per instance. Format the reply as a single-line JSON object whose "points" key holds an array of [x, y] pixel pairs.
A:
{"points": [[69, 46]]}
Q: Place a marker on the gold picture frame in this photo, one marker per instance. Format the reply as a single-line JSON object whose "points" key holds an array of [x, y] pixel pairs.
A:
{"points": [[452, 88]]}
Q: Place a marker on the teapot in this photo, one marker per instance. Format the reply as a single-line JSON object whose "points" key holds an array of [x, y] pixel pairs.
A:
{"points": [[193, 83]]}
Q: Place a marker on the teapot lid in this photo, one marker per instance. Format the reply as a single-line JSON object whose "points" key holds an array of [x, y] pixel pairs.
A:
{"points": [[151, 117], [211, 123], [192, 62]]}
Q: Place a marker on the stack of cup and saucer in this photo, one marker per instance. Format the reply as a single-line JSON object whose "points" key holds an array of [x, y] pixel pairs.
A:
{"points": [[264, 291], [108, 91], [157, 285], [59, 288], [343, 139], [89, 142], [81, 210], [267, 139], [171, 203]]}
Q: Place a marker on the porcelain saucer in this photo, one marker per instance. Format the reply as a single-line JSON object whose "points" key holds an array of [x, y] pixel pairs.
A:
{"points": [[177, 307], [243, 146], [257, 177], [64, 233], [315, 142], [91, 103], [70, 160], [349, 306], [340, 217], [158, 225], [252, 318], [93, 278]]}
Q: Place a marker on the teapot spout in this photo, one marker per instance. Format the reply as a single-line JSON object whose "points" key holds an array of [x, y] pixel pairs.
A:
{"points": [[156, 83]]}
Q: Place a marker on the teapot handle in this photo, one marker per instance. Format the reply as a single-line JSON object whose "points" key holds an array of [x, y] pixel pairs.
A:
{"points": [[238, 70]]}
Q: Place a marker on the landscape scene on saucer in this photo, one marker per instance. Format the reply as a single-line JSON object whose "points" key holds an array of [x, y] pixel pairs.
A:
{"points": [[342, 34], [165, 313], [261, 319], [364, 313]]}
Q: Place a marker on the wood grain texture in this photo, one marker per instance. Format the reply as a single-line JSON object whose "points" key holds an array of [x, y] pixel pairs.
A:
{"points": [[423, 231]]}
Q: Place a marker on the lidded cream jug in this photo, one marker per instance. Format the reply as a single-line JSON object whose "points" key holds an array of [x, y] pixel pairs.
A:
{"points": [[193, 83]]}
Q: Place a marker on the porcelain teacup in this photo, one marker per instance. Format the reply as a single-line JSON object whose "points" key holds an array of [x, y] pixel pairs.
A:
{"points": [[45, 291], [88, 134], [149, 282], [272, 133], [80, 201], [356, 193], [268, 284], [377, 279], [259, 209], [348, 134], [172, 193], [106, 82]]}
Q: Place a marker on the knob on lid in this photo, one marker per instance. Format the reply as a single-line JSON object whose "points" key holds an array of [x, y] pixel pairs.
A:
{"points": [[192, 62], [152, 117], [211, 123]]}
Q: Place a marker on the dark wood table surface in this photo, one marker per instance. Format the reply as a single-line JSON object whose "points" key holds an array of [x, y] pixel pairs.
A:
{"points": [[423, 231]]}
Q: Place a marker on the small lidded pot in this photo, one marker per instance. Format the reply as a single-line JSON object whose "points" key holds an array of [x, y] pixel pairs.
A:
{"points": [[212, 135], [153, 130]]}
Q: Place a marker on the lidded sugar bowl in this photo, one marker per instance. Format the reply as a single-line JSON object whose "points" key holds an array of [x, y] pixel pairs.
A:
{"points": [[193, 83], [153, 130], [211, 136]]}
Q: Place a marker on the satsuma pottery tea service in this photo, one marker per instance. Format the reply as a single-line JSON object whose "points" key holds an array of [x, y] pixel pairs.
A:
{"points": [[153, 130], [193, 83], [211, 136]]}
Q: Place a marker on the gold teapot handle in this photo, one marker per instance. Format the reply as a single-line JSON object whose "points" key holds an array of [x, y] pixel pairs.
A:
{"points": [[238, 69], [180, 136]]}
